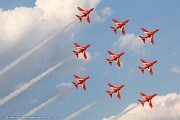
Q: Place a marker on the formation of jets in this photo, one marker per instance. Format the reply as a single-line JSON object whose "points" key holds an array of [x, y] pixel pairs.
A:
{"points": [[115, 57]]}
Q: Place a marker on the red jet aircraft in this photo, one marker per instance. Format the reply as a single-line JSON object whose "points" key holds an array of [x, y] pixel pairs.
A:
{"points": [[115, 57], [148, 34], [147, 99], [119, 25], [147, 65], [85, 13], [80, 81], [81, 49], [115, 90]]}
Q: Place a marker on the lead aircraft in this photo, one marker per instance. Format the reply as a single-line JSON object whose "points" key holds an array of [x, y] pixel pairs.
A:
{"points": [[81, 49], [115, 90], [147, 99], [119, 25], [115, 57], [149, 34], [85, 13], [147, 65], [80, 81]]}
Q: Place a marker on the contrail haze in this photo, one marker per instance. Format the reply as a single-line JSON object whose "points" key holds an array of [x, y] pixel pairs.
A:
{"points": [[41, 106], [26, 55], [75, 114], [31, 82]]}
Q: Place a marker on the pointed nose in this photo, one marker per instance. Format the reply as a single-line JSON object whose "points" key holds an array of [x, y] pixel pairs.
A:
{"points": [[156, 30], [155, 62], [91, 9], [154, 95], [126, 21], [122, 85], [88, 45]]}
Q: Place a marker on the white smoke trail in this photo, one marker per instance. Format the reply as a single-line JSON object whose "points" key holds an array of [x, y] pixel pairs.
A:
{"points": [[72, 116], [27, 85], [41, 106], [123, 113], [26, 55]]}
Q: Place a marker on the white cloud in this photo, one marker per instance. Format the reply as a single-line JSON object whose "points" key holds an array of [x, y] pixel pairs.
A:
{"points": [[103, 14], [175, 69], [24, 28], [130, 41], [107, 11], [38, 22], [164, 108], [65, 89]]}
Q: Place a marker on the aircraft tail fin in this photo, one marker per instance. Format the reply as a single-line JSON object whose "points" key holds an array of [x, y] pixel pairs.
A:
{"points": [[75, 84], [80, 18], [110, 93], [76, 53], [114, 29], [109, 61], [142, 69], [142, 102], [143, 38]]}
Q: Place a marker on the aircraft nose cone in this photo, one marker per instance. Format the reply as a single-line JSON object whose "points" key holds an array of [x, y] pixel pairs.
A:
{"points": [[91, 9]]}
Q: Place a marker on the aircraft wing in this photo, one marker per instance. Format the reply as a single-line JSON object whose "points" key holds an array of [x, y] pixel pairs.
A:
{"points": [[111, 53], [122, 30], [111, 86], [144, 30], [80, 9], [116, 21], [118, 94], [150, 70], [143, 95], [77, 77], [77, 45], [84, 54], [87, 18], [152, 39], [118, 62], [150, 103], [83, 85], [143, 61]]}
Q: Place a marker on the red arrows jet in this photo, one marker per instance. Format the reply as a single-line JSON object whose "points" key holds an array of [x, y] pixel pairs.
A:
{"points": [[85, 13], [147, 99], [115, 90], [119, 25], [115, 57], [147, 65], [149, 34], [80, 81], [81, 49]]}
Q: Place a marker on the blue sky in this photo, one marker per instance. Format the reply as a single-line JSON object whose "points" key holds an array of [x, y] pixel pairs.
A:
{"points": [[25, 27]]}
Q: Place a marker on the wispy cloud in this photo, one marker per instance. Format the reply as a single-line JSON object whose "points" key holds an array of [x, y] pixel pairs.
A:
{"points": [[103, 14], [130, 41], [175, 69]]}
